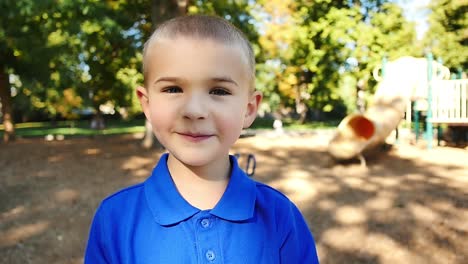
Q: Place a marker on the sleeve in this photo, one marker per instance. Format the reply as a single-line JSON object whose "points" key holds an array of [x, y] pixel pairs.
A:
{"points": [[298, 245], [95, 249]]}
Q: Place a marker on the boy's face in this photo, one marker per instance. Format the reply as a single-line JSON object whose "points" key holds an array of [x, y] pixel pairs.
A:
{"points": [[198, 97]]}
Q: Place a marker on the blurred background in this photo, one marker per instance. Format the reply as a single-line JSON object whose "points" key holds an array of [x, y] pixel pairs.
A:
{"points": [[81, 60], [73, 132]]}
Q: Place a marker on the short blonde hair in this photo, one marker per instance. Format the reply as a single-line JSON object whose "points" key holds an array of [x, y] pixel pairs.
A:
{"points": [[202, 26]]}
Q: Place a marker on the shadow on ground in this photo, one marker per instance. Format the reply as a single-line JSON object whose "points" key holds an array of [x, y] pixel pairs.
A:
{"points": [[408, 206]]}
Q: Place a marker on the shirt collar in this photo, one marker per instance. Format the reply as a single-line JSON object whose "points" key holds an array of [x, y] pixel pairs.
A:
{"points": [[169, 207], [238, 201]]}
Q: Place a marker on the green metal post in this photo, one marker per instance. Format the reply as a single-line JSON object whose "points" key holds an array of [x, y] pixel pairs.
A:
{"points": [[429, 132], [439, 126], [384, 65]]}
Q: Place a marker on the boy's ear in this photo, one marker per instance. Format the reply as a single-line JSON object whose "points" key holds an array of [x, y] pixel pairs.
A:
{"points": [[142, 95], [252, 107]]}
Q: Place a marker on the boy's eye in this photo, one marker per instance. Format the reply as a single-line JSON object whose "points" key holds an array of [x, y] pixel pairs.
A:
{"points": [[219, 91], [172, 89]]}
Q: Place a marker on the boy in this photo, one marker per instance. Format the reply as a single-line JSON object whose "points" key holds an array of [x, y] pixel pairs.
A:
{"points": [[198, 206]]}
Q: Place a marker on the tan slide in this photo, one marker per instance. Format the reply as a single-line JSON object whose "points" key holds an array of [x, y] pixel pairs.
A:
{"points": [[405, 80]]}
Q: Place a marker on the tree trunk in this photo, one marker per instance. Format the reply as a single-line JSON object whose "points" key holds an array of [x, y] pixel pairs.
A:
{"points": [[301, 108], [302, 113], [97, 122], [7, 111], [162, 11]]}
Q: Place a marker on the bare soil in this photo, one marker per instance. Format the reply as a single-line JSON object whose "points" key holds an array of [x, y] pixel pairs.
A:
{"points": [[409, 205]]}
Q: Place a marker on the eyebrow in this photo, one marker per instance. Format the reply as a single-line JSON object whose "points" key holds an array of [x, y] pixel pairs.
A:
{"points": [[224, 79], [167, 79], [215, 79]]}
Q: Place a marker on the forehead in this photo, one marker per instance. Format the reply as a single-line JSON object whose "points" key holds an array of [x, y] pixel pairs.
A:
{"points": [[194, 41], [191, 55]]}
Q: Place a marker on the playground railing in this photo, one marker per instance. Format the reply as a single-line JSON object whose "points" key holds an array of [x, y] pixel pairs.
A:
{"points": [[450, 102]]}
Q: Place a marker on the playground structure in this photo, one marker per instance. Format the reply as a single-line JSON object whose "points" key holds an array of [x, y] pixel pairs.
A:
{"points": [[410, 85], [449, 99]]}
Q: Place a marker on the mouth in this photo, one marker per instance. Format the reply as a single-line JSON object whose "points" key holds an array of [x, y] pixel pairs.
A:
{"points": [[195, 137]]}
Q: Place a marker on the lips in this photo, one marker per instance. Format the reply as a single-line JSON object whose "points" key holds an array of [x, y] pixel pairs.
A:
{"points": [[195, 137]]}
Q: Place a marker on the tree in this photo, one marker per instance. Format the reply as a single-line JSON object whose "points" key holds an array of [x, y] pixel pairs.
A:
{"points": [[109, 33], [5, 100], [69, 54], [390, 35], [315, 44], [447, 37], [26, 48]]}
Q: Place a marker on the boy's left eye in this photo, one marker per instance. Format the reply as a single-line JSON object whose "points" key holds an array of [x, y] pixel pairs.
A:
{"points": [[219, 91]]}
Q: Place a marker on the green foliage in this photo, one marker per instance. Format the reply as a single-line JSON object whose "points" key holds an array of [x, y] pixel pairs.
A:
{"points": [[238, 12], [67, 54], [88, 50], [77, 128], [109, 53], [447, 37], [316, 44], [35, 41]]}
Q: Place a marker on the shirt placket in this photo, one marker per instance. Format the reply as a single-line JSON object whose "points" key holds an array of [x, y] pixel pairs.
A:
{"points": [[207, 239]]}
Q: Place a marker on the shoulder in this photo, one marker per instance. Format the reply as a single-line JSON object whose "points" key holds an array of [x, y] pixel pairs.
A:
{"points": [[124, 198], [275, 206], [124, 193], [269, 194], [122, 206], [278, 205], [127, 191], [293, 233]]}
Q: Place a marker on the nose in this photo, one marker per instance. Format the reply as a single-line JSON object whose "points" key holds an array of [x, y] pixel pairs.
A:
{"points": [[195, 107]]}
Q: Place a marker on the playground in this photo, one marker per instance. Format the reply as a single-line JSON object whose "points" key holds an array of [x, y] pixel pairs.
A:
{"points": [[363, 122], [409, 205]]}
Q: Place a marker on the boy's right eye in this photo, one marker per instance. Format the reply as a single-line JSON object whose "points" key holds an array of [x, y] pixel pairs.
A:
{"points": [[172, 89]]}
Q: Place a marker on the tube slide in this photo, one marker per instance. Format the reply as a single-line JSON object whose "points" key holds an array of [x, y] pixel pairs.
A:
{"points": [[405, 80]]}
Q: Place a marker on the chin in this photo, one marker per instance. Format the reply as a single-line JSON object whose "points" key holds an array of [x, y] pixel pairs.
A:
{"points": [[196, 158]]}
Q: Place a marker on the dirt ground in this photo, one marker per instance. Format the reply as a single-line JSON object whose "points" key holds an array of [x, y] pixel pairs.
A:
{"points": [[410, 205]]}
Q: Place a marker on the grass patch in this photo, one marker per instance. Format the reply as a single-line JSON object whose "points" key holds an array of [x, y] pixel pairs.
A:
{"points": [[262, 123], [76, 128], [82, 128], [292, 124]]}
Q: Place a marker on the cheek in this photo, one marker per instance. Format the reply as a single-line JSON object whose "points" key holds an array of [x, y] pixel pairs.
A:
{"points": [[160, 115], [231, 122]]}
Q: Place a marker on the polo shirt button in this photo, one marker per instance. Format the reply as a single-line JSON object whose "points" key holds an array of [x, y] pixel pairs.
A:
{"points": [[205, 223], [210, 255]]}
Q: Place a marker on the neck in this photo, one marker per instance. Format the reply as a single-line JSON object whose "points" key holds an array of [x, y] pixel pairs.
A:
{"points": [[201, 186]]}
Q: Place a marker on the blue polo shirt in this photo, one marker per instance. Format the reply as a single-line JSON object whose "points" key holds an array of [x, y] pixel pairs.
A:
{"points": [[152, 223]]}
